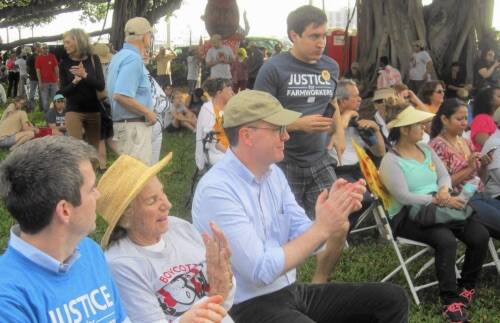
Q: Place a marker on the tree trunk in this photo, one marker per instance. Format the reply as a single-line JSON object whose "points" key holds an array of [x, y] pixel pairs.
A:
{"points": [[388, 27], [123, 11], [126, 9]]}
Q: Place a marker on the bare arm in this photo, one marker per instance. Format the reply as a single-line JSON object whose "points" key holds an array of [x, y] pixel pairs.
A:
{"points": [[429, 68], [337, 140], [132, 105], [487, 72]]}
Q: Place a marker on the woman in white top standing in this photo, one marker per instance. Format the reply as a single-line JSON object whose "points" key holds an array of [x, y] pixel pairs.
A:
{"points": [[210, 146]]}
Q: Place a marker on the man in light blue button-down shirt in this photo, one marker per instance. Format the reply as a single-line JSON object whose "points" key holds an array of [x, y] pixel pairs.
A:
{"points": [[248, 196], [129, 91]]}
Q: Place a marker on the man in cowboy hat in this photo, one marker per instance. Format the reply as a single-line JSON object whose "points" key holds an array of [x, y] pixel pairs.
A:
{"points": [[129, 89], [51, 271], [269, 234]]}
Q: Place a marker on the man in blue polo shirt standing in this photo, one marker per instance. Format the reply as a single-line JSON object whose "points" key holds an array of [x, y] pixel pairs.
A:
{"points": [[130, 92]]}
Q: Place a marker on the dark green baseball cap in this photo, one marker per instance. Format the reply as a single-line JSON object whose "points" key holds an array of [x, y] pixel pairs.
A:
{"points": [[251, 105]]}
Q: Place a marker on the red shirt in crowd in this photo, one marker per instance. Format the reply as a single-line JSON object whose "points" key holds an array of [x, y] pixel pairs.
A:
{"points": [[47, 65]]}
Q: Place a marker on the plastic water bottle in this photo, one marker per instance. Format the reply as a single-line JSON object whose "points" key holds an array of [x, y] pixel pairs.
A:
{"points": [[469, 189]]}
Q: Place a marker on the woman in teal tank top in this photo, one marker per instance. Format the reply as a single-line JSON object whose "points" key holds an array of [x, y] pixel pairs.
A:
{"points": [[415, 177]]}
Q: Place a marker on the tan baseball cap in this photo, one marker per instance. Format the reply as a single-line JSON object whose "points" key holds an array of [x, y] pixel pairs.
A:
{"points": [[250, 105], [137, 26], [385, 93]]}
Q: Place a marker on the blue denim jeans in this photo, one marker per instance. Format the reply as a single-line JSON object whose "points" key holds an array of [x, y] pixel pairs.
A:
{"points": [[32, 93], [47, 91], [487, 213]]}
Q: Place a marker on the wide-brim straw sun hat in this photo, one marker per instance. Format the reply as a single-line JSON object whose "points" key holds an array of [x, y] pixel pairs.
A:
{"points": [[410, 116], [120, 185], [103, 51]]}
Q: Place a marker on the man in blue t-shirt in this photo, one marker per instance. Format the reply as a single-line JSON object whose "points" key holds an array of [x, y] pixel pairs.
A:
{"points": [[51, 271], [304, 80]]}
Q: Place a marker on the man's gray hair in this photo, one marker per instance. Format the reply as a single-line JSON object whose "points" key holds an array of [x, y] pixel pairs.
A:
{"points": [[39, 174], [342, 85], [131, 38]]}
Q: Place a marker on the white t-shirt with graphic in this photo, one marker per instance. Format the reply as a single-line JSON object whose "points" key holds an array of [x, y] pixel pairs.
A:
{"points": [[160, 283]]}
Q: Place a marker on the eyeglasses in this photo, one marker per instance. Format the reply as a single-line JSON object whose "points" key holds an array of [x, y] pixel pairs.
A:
{"points": [[60, 100], [440, 91], [281, 130]]}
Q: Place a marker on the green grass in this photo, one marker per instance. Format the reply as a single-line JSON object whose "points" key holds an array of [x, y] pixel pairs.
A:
{"points": [[367, 259]]}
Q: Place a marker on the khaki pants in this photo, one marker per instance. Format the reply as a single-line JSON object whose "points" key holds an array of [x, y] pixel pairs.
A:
{"points": [[134, 139], [89, 124]]}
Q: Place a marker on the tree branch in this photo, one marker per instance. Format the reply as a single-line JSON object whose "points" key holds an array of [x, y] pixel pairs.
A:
{"points": [[45, 39], [155, 13], [36, 8], [18, 20]]}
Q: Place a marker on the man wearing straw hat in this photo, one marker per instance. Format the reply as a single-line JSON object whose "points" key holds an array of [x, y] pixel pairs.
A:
{"points": [[163, 267], [51, 271], [129, 89], [269, 234]]}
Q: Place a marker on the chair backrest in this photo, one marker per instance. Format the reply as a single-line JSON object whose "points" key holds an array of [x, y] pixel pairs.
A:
{"points": [[372, 178], [380, 193]]}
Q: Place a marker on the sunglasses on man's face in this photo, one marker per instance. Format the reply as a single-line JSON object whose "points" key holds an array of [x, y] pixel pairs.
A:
{"points": [[60, 100]]}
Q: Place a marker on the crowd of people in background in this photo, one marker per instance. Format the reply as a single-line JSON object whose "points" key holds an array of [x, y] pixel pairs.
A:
{"points": [[274, 150]]}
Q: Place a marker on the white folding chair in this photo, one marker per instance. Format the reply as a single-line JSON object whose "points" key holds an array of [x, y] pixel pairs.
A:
{"points": [[386, 231], [403, 263], [357, 227], [494, 255]]}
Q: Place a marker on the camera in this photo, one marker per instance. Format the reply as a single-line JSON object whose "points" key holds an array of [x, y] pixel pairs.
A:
{"points": [[368, 135]]}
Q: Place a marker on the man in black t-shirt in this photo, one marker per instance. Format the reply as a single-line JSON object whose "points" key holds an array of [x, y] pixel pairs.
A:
{"points": [[33, 80]]}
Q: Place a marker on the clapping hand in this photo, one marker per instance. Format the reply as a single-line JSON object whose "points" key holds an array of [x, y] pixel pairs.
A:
{"points": [[220, 276], [207, 311], [333, 207], [78, 70]]}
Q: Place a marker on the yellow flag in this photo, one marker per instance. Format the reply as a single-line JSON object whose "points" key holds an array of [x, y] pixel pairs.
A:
{"points": [[370, 173]]}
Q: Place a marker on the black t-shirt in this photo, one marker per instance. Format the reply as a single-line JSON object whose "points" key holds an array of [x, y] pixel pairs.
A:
{"points": [[30, 64], [480, 81], [56, 117], [459, 81]]}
